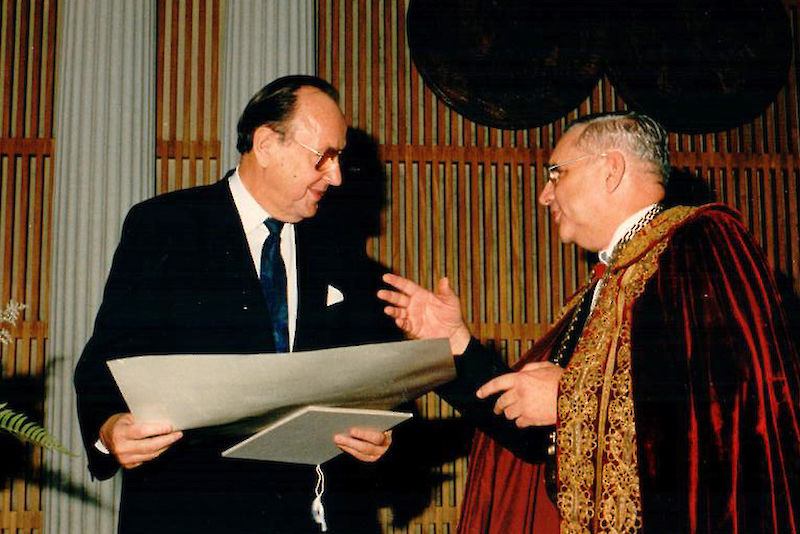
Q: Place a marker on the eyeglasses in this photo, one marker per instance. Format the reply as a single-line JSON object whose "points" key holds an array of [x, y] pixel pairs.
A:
{"points": [[552, 173], [325, 158]]}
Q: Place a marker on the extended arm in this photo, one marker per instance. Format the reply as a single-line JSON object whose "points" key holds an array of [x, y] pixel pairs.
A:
{"points": [[424, 314]]}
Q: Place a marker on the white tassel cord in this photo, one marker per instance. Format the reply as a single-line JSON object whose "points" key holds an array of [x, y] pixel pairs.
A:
{"points": [[317, 509]]}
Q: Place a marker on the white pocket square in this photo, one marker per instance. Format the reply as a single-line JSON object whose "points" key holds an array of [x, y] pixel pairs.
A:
{"points": [[334, 296]]}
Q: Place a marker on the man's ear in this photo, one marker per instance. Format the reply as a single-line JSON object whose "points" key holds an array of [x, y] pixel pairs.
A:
{"points": [[264, 141], [615, 163]]}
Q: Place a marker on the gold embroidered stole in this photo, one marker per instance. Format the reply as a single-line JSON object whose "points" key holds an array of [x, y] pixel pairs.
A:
{"points": [[596, 433]]}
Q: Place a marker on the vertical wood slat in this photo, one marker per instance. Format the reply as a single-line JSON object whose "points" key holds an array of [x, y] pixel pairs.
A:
{"points": [[388, 71], [348, 86], [26, 146], [187, 93], [9, 21], [504, 179], [422, 268], [213, 150], [473, 265], [793, 224], [334, 36], [414, 105], [35, 92], [361, 94], [21, 77], [439, 213], [375, 70], [402, 74], [163, 183], [187, 90], [200, 107], [50, 67], [9, 206], [486, 222], [172, 68]]}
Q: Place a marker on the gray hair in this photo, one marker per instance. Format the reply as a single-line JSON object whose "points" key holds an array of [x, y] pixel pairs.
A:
{"points": [[629, 131]]}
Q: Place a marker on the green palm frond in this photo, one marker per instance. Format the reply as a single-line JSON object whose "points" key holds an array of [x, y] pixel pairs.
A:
{"points": [[20, 426]]}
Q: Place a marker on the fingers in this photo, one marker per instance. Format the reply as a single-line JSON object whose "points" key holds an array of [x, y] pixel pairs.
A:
{"points": [[523, 422], [399, 306], [400, 316], [134, 443], [443, 287], [147, 429], [511, 407], [406, 287], [403, 284], [393, 297], [370, 435], [146, 450], [507, 404], [495, 385], [133, 453], [527, 397], [367, 445]]}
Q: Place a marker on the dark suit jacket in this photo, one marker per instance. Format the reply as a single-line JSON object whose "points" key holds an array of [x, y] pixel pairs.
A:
{"points": [[183, 281]]}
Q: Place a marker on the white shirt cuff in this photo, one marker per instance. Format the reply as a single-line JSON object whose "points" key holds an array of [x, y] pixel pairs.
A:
{"points": [[100, 447]]}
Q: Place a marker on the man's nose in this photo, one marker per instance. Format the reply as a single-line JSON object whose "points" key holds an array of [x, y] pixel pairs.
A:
{"points": [[546, 196], [333, 175]]}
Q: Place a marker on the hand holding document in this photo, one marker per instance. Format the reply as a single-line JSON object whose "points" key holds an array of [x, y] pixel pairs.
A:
{"points": [[193, 391]]}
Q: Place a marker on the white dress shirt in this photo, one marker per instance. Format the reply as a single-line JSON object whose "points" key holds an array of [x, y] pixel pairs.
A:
{"points": [[253, 216]]}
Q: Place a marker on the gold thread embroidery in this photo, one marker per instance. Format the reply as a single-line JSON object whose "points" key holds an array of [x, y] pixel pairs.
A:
{"points": [[597, 461]]}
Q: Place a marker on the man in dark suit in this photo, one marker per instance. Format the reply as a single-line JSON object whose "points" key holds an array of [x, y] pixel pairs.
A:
{"points": [[234, 267]]}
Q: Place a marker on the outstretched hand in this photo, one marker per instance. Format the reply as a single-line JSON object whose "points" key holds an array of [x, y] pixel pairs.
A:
{"points": [[423, 314]]}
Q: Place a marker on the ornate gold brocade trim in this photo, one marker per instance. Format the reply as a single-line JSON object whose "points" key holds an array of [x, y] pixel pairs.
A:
{"points": [[596, 433]]}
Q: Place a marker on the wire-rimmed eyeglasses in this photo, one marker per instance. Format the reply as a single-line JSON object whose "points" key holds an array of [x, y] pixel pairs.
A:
{"points": [[551, 172], [325, 158]]}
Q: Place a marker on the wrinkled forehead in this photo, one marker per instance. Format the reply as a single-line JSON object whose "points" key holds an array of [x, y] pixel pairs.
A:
{"points": [[318, 115], [568, 144]]}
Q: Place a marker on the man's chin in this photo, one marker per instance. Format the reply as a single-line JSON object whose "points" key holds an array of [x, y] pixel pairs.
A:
{"points": [[310, 209], [565, 236], [563, 232]]}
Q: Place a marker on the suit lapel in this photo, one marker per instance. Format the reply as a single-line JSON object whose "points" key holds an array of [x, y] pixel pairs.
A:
{"points": [[312, 287], [228, 245]]}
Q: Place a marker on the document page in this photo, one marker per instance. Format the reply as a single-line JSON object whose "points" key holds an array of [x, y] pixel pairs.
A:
{"points": [[193, 391]]}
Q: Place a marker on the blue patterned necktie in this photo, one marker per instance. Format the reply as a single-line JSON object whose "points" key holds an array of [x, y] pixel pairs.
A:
{"points": [[273, 284]]}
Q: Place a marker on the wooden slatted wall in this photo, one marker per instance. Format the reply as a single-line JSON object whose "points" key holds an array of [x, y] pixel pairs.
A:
{"points": [[462, 197], [27, 60], [187, 93]]}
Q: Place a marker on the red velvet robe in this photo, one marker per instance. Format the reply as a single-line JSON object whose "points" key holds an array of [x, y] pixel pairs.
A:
{"points": [[715, 389]]}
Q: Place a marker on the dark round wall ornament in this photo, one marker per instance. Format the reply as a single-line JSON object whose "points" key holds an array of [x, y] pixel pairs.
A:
{"points": [[507, 63], [700, 65]]}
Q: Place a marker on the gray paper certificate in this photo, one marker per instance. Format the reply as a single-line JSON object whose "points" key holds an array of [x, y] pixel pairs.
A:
{"points": [[192, 391]]}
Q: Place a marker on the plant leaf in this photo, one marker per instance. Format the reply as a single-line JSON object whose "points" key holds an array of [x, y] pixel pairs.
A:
{"points": [[20, 426]]}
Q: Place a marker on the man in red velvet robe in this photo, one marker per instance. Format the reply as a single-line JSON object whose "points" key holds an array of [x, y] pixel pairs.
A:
{"points": [[665, 397]]}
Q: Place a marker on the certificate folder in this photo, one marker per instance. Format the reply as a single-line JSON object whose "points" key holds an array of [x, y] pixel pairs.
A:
{"points": [[306, 436]]}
